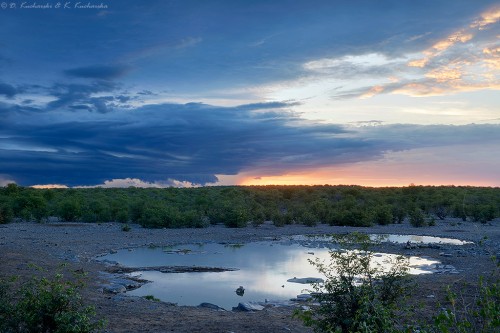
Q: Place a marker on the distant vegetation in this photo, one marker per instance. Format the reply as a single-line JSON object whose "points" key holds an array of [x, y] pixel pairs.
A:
{"points": [[236, 206]]}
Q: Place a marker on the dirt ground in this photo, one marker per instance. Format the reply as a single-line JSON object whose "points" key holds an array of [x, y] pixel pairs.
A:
{"points": [[77, 245]]}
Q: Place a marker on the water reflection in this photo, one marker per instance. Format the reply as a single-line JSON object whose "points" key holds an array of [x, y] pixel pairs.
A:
{"points": [[388, 238], [422, 239], [264, 269]]}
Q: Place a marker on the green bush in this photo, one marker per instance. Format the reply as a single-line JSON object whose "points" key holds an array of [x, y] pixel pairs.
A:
{"points": [[45, 305], [417, 218], [6, 214], [151, 298], [480, 315], [382, 215], [398, 214], [309, 219], [70, 209], [357, 296]]}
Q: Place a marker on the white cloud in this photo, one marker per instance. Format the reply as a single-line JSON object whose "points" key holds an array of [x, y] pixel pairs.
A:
{"points": [[5, 180], [135, 182]]}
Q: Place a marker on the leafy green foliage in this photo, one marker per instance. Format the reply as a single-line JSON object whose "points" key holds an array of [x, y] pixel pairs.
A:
{"points": [[151, 298], [383, 215], [45, 305], [6, 213], [417, 218], [358, 295], [479, 315], [237, 206]]}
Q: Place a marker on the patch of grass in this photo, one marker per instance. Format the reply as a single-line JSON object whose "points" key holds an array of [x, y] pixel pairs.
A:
{"points": [[126, 228], [151, 298]]}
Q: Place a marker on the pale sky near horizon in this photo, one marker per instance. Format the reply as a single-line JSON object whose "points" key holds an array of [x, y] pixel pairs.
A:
{"points": [[187, 93]]}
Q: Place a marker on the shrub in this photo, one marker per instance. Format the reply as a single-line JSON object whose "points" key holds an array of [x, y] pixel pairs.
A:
{"points": [[309, 219], [481, 315], [151, 298], [398, 214], [126, 228], [417, 218], [69, 209], [382, 215], [6, 214], [432, 221], [357, 296], [45, 305]]}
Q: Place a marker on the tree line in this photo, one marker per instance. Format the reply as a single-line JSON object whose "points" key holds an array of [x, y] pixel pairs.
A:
{"points": [[237, 206]]}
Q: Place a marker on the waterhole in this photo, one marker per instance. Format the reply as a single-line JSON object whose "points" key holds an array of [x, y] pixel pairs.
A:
{"points": [[267, 271]]}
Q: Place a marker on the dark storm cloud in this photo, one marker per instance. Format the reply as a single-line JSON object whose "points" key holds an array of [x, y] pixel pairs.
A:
{"points": [[100, 72], [80, 96], [8, 90], [194, 142], [190, 142]]}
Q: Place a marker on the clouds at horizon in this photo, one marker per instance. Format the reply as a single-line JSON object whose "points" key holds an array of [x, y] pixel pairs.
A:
{"points": [[195, 142]]}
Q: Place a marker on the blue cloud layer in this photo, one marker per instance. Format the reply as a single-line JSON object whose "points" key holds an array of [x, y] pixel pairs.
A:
{"points": [[8, 90], [194, 142]]}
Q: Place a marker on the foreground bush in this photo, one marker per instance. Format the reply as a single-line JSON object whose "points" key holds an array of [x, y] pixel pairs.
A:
{"points": [[357, 296], [45, 305], [482, 314]]}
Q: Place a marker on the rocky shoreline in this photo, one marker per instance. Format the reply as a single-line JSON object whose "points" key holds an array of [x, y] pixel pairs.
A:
{"points": [[78, 245]]}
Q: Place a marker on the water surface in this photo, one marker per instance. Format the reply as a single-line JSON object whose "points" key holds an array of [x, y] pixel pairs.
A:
{"points": [[263, 271]]}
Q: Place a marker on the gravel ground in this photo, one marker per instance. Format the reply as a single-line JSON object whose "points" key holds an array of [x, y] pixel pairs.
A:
{"points": [[77, 244]]}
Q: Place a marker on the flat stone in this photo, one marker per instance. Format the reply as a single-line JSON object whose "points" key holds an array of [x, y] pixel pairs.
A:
{"points": [[247, 306], [114, 289], [211, 306], [128, 284], [303, 297], [306, 280]]}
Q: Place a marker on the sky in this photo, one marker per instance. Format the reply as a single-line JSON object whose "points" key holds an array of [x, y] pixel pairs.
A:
{"points": [[119, 93]]}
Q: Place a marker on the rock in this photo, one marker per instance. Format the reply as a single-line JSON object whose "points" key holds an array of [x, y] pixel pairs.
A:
{"points": [[211, 306], [128, 284], [306, 280], [303, 297], [114, 289], [240, 291], [409, 246], [247, 306]]}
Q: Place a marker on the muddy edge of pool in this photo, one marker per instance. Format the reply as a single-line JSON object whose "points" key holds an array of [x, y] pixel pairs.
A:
{"points": [[49, 245]]}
